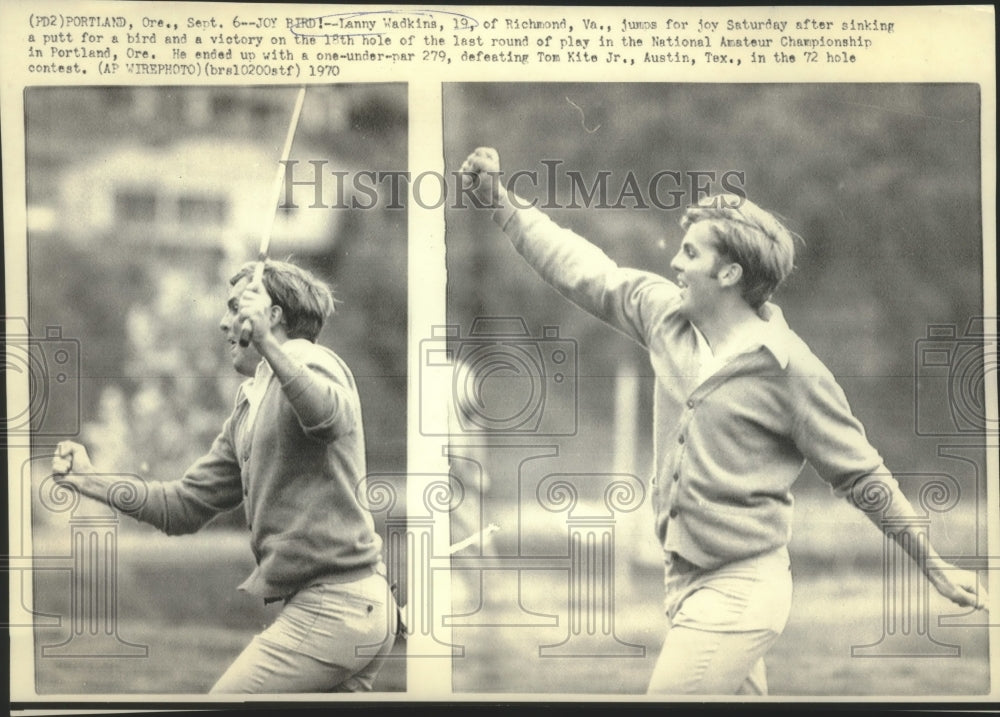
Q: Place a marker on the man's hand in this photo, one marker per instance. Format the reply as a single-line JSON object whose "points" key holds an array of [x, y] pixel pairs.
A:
{"points": [[960, 586], [255, 307], [483, 168], [71, 458]]}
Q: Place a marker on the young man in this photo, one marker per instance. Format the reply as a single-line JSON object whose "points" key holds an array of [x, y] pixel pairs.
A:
{"points": [[741, 403], [293, 452]]}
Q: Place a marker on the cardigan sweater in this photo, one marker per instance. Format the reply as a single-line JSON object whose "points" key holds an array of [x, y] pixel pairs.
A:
{"points": [[727, 449], [302, 486]]}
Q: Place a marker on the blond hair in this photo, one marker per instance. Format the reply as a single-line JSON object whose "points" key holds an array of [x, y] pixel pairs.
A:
{"points": [[305, 300], [751, 237]]}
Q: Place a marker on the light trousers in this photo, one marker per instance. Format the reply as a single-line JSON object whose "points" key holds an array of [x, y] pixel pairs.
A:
{"points": [[721, 622], [329, 637]]}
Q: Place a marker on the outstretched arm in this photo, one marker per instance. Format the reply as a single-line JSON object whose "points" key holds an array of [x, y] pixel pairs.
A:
{"points": [[630, 300], [960, 586], [71, 466], [833, 440], [209, 487]]}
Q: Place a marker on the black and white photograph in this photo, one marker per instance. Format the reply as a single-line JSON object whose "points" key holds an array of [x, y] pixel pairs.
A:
{"points": [[408, 356], [230, 325], [710, 340]]}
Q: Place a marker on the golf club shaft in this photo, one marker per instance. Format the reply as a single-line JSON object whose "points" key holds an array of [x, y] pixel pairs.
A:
{"points": [[246, 329], [473, 539]]}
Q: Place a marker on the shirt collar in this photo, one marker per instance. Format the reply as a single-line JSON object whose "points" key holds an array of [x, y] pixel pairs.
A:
{"points": [[263, 374], [774, 337], [255, 384]]}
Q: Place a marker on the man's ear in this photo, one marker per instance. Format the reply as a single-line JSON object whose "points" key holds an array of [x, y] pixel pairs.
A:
{"points": [[277, 315], [730, 274]]}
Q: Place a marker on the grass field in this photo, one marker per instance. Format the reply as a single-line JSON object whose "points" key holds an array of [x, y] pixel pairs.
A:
{"points": [[812, 658], [178, 597]]}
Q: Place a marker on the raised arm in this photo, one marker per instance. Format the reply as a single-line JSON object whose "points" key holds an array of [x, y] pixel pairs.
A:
{"points": [[630, 300], [319, 388]]}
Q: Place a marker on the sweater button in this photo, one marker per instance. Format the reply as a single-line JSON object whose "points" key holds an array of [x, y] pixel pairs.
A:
{"points": [[677, 476], [673, 512], [680, 439], [690, 403]]}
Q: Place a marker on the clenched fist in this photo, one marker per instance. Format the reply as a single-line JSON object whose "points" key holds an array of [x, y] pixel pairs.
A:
{"points": [[71, 458], [482, 169]]}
